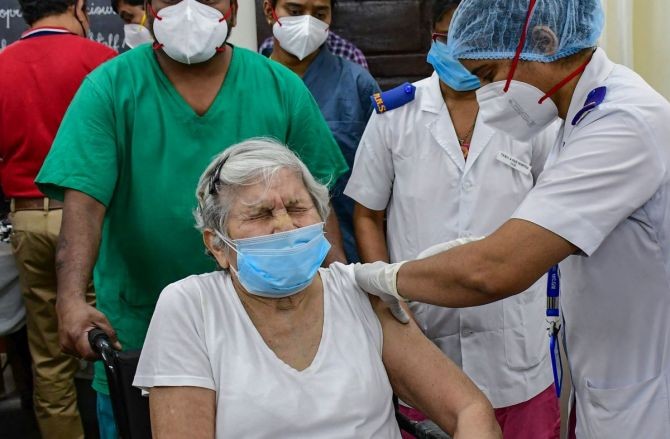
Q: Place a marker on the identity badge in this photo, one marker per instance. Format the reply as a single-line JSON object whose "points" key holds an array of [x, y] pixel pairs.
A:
{"points": [[513, 162]]}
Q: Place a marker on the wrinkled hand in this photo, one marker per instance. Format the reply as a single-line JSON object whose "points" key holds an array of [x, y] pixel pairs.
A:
{"points": [[379, 279], [75, 319], [444, 246]]}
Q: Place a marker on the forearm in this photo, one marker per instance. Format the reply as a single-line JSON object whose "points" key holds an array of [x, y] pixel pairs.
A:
{"points": [[443, 280], [477, 421], [78, 244], [370, 237], [506, 263], [334, 236]]}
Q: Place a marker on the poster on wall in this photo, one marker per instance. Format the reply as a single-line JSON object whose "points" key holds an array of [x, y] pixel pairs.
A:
{"points": [[106, 27]]}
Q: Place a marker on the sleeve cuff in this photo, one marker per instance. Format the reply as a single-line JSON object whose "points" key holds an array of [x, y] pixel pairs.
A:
{"points": [[145, 382], [563, 222], [366, 197], [56, 190]]}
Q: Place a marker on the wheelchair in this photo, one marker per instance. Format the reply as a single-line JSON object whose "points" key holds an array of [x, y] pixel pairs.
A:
{"points": [[131, 409]]}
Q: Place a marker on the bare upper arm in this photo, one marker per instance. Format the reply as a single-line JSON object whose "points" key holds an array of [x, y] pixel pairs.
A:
{"points": [[422, 375], [362, 212], [179, 412], [79, 201]]}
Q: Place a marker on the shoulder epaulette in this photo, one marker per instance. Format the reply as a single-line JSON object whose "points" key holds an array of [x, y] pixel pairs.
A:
{"points": [[593, 100], [394, 98]]}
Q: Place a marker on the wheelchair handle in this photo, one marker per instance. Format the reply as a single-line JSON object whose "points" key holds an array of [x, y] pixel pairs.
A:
{"points": [[99, 341]]}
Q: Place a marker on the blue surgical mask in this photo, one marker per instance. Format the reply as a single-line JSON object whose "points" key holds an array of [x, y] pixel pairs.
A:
{"points": [[450, 70], [281, 264]]}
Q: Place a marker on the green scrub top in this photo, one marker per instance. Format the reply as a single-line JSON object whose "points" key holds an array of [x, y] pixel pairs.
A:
{"points": [[130, 141]]}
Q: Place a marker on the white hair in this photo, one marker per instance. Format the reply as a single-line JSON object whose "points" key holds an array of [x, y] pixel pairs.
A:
{"points": [[247, 163]]}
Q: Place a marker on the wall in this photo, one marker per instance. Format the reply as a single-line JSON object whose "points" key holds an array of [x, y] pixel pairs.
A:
{"points": [[107, 28], [393, 34], [636, 35], [244, 33], [651, 50]]}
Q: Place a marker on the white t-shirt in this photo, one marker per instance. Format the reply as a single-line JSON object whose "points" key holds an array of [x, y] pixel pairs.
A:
{"points": [[410, 163], [607, 191], [201, 335]]}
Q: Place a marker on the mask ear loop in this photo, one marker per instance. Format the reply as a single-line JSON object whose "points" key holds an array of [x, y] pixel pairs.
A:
{"points": [[519, 49], [227, 241], [569, 78], [156, 44], [517, 58], [225, 17], [230, 245], [274, 15]]}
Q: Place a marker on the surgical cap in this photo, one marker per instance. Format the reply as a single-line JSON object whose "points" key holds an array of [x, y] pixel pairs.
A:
{"points": [[491, 29]]}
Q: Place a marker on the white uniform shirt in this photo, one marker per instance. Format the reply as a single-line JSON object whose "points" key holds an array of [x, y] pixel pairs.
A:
{"points": [[410, 163], [608, 193], [201, 335]]}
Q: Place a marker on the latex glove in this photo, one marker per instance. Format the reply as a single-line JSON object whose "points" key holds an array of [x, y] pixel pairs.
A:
{"points": [[444, 246], [379, 279]]}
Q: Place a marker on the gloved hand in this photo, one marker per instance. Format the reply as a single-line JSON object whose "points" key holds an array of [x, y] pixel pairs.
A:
{"points": [[379, 279], [444, 246]]}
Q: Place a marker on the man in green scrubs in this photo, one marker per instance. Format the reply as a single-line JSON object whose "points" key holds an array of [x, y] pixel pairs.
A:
{"points": [[128, 155]]}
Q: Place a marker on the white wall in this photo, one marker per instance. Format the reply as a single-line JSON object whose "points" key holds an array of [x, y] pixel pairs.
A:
{"points": [[652, 52], [244, 34], [636, 35]]}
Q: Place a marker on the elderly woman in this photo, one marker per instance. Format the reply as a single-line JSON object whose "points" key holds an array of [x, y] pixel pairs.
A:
{"points": [[273, 346]]}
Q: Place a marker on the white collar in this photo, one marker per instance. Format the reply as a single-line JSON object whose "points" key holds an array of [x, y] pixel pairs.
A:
{"points": [[593, 77]]}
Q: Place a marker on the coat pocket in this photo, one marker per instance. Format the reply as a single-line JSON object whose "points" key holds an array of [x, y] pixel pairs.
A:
{"points": [[640, 410], [525, 333]]}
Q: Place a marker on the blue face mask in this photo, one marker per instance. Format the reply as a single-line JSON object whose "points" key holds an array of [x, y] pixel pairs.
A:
{"points": [[281, 264], [450, 70]]}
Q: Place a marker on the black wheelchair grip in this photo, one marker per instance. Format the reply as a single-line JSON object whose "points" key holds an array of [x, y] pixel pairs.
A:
{"points": [[98, 339]]}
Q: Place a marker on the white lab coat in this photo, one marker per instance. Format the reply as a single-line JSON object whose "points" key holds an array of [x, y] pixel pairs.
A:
{"points": [[409, 162], [606, 189]]}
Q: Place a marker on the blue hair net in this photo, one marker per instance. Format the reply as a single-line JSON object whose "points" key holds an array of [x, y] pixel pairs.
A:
{"points": [[491, 29]]}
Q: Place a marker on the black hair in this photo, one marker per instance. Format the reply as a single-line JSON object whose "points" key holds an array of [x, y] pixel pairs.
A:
{"points": [[115, 4], [441, 7], [274, 3], [34, 10]]}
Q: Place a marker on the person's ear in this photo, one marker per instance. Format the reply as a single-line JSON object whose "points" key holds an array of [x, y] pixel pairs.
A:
{"points": [[232, 21], [82, 16], [267, 11], [544, 40], [220, 253]]}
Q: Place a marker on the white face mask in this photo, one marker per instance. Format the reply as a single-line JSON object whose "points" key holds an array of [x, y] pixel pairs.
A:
{"points": [[190, 32], [300, 36], [136, 34], [518, 112]]}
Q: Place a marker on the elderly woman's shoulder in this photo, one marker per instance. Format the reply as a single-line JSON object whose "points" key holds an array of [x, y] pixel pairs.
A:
{"points": [[192, 288], [340, 278]]}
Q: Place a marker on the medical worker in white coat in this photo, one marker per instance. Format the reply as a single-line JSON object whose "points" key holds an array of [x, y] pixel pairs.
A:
{"points": [[601, 208], [439, 173]]}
